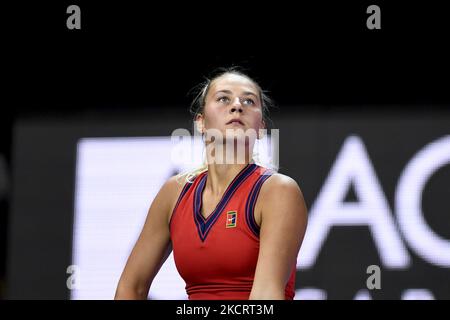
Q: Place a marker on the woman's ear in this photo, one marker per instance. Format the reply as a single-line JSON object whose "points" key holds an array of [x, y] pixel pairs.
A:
{"points": [[200, 123]]}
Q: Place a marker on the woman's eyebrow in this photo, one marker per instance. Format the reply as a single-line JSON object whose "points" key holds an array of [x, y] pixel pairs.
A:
{"points": [[245, 93], [249, 93]]}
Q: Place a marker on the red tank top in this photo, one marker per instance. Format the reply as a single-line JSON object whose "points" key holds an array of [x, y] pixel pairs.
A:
{"points": [[217, 256]]}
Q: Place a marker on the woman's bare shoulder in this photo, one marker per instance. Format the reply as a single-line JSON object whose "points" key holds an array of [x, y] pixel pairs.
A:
{"points": [[174, 183], [282, 194], [279, 182], [171, 190], [280, 186], [277, 188]]}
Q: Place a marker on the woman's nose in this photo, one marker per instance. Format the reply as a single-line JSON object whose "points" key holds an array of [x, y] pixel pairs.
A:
{"points": [[237, 105]]}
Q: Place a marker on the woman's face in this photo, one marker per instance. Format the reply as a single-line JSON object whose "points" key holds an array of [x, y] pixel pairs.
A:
{"points": [[232, 102]]}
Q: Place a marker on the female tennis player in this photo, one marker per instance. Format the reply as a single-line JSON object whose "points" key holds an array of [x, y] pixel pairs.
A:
{"points": [[235, 227]]}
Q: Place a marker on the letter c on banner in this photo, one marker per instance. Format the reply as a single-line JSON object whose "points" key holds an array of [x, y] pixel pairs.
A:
{"points": [[408, 200]]}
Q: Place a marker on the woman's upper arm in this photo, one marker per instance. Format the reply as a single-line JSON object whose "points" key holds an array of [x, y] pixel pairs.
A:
{"points": [[283, 226], [153, 245]]}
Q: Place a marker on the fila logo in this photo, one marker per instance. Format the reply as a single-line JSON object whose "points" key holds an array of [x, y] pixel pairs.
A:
{"points": [[231, 219]]}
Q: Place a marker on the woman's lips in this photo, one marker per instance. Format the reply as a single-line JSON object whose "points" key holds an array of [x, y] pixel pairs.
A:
{"points": [[235, 122]]}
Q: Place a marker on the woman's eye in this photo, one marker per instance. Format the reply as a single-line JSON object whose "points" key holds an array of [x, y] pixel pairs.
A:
{"points": [[249, 101], [223, 99]]}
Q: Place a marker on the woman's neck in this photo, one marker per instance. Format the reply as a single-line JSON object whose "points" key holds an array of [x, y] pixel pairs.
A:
{"points": [[225, 163], [221, 175]]}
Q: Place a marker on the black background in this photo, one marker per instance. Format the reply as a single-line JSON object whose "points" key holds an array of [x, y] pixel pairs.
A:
{"points": [[144, 56]]}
